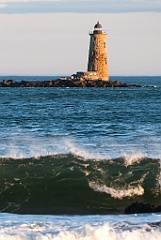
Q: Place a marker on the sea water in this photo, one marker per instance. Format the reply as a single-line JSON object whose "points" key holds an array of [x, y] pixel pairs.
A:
{"points": [[72, 160]]}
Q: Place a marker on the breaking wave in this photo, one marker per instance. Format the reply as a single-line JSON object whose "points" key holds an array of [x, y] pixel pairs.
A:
{"points": [[70, 184], [59, 229]]}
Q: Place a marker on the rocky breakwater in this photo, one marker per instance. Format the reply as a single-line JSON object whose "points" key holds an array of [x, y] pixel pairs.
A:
{"points": [[66, 82]]}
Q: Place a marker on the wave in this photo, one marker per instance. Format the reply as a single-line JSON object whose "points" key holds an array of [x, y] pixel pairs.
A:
{"points": [[108, 232], [104, 231], [27, 227], [70, 184]]}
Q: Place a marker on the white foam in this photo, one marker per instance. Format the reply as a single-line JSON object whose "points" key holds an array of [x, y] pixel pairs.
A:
{"points": [[134, 157], [19, 236], [106, 232], [118, 193], [88, 232]]}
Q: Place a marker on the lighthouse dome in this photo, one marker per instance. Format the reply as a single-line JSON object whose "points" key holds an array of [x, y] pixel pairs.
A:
{"points": [[98, 25], [98, 28]]}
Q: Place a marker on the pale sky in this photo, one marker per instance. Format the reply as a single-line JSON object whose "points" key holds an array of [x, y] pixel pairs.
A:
{"points": [[51, 37]]}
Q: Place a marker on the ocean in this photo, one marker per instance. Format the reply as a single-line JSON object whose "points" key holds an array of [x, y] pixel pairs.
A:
{"points": [[72, 160]]}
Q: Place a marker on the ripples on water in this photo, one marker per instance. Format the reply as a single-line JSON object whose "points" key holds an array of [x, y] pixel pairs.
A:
{"points": [[102, 137]]}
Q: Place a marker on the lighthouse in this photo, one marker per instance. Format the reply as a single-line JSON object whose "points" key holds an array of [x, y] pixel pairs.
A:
{"points": [[97, 68], [97, 59]]}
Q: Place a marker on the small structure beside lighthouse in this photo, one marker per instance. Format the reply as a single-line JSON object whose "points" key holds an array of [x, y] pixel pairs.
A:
{"points": [[97, 59]]}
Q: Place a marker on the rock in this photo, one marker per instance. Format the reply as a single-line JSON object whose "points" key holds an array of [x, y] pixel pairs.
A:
{"points": [[8, 83], [139, 207], [66, 82]]}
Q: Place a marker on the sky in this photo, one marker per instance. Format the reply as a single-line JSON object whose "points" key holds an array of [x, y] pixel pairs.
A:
{"points": [[51, 37]]}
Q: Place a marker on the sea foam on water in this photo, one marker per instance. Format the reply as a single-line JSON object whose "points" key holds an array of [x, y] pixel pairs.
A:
{"points": [[118, 193], [86, 232]]}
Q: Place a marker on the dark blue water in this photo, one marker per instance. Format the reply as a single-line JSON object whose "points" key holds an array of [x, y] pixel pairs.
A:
{"points": [[80, 151]]}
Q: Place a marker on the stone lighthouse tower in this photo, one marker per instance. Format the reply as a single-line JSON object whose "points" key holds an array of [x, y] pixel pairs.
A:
{"points": [[97, 60]]}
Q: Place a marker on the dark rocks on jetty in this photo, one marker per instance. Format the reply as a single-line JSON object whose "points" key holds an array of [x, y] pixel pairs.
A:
{"points": [[66, 82], [139, 207]]}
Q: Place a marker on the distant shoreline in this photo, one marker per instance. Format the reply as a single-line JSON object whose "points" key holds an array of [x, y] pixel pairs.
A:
{"points": [[66, 82]]}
